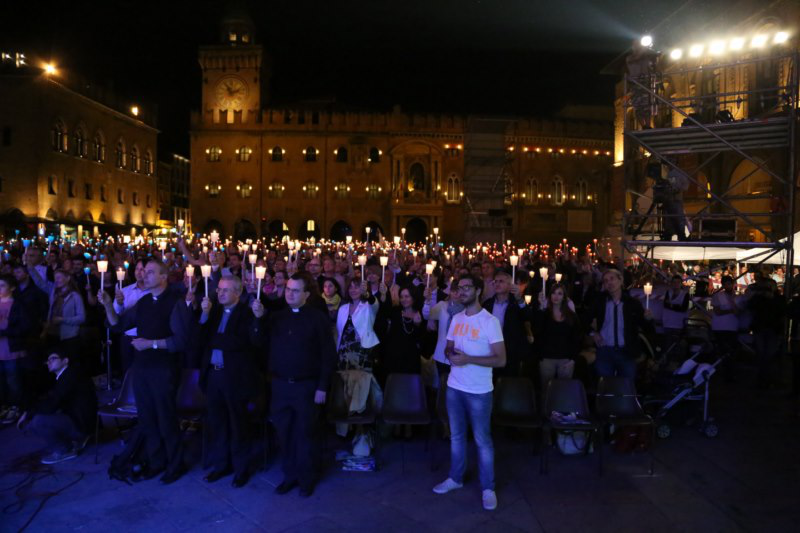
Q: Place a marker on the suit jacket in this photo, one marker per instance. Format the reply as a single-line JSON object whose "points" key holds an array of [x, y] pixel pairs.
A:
{"points": [[633, 319], [238, 344], [514, 335], [73, 395], [21, 326]]}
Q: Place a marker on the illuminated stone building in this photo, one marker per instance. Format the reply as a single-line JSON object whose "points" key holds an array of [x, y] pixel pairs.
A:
{"points": [[325, 172], [72, 159]]}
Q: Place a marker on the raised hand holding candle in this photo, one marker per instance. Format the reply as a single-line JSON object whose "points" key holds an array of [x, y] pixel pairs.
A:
{"points": [[384, 261], [253, 258], [429, 270], [205, 271], [648, 290], [559, 275], [120, 276], [543, 273], [514, 260], [261, 272], [102, 267], [362, 260]]}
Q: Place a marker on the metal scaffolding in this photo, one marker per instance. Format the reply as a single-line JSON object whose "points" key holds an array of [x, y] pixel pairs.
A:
{"points": [[692, 134]]}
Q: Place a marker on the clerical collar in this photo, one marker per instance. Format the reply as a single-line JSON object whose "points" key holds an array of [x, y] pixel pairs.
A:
{"points": [[295, 310], [60, 372]]}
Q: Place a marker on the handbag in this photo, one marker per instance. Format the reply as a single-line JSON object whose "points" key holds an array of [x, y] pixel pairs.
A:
{"points": [[571, 442]]}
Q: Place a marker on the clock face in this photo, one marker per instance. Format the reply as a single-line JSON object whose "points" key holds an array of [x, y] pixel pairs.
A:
{"points": [[231, 93]]}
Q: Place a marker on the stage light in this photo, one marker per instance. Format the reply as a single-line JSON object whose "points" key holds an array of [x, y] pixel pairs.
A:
{"points": [[49, 69], [737, 43], [676, 54], [780, 37], [696, 50], [716, 48], [758, 41], [646, 41], [135, 111]]}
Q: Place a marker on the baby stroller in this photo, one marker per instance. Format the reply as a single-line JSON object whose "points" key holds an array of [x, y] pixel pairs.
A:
{"points": [[672, 389]]}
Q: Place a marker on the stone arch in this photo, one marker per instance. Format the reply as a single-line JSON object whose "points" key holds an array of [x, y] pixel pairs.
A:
{"points": [[416, 230], [340, 230]]}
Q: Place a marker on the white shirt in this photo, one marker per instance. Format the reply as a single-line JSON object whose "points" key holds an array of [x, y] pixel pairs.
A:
{"points": [[730, 322], [607, 331], [474, 336]]}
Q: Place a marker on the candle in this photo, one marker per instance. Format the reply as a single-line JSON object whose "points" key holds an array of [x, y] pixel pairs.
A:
{"points": [[648, 290], [190, 272], [205, 271], [261, 272], [543, 273], [429, 270], [348, 239], [120, 276], [384, 261], [528, 298], [559, 275], [253, 258], [102, 267], [362, 260], [514, 259]]}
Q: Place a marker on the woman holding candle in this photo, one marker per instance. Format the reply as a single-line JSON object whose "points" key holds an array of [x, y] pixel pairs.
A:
{"points": [[354, 327], [66, 315], [557, 335]]}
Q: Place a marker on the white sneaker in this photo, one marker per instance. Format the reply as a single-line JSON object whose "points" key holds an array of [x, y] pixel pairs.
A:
{"points": [[489, 500], [446, 486]]}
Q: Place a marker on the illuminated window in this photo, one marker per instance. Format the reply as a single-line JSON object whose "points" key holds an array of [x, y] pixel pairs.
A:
{"points": [[277, 153], [374, 191], [453, 191], [557, 194], [213, 154], [276, 190], [310, 190], [582, 192], [148, 163], [341, 154], [121, 154], [99, 148], [375, 155], [311, 154], [81, 145], [243, 154], [59, 140], [531, 192], [342, 190], [508, 190], [311, 226], [244, 190], [136, 162], [213, 189]]}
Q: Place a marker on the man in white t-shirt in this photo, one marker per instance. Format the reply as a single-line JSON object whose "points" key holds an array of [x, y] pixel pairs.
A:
{"points": [[474, 346]]}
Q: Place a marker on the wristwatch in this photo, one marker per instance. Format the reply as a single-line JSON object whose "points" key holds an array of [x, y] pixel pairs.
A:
{"points": [[155, 344]]}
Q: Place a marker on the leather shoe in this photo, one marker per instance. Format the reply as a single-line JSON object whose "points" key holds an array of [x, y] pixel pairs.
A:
{"points": [[306, 492], [285, 487], [240, 480], [146, 474], [171, 477], [216, 475]]}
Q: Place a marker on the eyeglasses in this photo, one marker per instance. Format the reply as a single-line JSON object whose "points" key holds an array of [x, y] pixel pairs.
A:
{"points": [[53, 358], [465, 287], [293, 291]]}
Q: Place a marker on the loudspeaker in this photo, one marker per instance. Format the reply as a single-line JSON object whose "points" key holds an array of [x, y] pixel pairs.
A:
{"points": [[687, 122]]}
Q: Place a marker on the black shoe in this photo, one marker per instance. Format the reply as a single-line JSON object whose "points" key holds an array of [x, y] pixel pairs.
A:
{"points": [[306, 492], [285, 486], [240, 480], [216, 475], [147, 474], [171, 477]]}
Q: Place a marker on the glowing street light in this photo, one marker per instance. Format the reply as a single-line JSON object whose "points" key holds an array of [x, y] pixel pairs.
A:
{"points": [[50, 69], [758, 41], [646, 41], [696, 50], [676, 54]]}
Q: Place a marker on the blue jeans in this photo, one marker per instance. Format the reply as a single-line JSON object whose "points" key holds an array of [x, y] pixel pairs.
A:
{"points": [[477, 408], [10, 388], [612, 362]]}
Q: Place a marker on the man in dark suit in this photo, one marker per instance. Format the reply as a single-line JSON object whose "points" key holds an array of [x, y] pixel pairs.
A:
{"points": [[228, 376], [513, 317], [64, 418]]}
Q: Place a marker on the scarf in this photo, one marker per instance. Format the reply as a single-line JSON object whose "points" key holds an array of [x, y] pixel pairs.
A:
{"points": [[332, 302]]}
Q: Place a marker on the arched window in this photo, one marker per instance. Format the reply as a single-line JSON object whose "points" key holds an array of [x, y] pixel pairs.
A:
{"points": [[120, 196], [244, 190], [375, 155], [508, 190], [52, 185], [213, 154], [275, 189], [136, 162], [310, 190], [103, 193], [557, 193], [311, 154], [453, 191], [99, 147], [81, 148], [532, 192], [59, 140], [342, 190], [582, 195], [277, 153], [374, 191], [341, 154], [213, 189], [416, 178], [243, 154], [148, 163], [121, 154]]}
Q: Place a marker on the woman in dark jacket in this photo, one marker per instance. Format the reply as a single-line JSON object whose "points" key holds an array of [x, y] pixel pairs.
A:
{"points": [[557, 335]]}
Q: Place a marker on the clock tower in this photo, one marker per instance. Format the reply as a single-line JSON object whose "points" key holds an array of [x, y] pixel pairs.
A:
{"points": [[232, 72]]}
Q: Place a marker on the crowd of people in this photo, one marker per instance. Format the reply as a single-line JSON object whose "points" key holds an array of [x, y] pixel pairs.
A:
{"points": [[285, 316]]}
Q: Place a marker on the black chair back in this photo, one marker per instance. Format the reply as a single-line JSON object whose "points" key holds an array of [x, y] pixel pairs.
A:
{"points": [[336, 405], [566, 396], [514, 397], [404, 397], [616, 397]]}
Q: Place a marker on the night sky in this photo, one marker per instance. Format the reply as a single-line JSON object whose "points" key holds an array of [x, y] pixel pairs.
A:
{"points": [[480, 56]]}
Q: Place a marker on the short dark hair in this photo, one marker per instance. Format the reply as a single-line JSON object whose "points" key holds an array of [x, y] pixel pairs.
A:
{"points": [[476, 281], [300, 276], [10, 281]]}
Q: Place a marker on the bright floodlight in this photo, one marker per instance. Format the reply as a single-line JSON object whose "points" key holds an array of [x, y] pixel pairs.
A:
{"points": [[646, 41], [676, 54], [696, 50], [716, 48], [49, 69], [758, 41], [737, 43], [135, 111], [780, 37]]}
